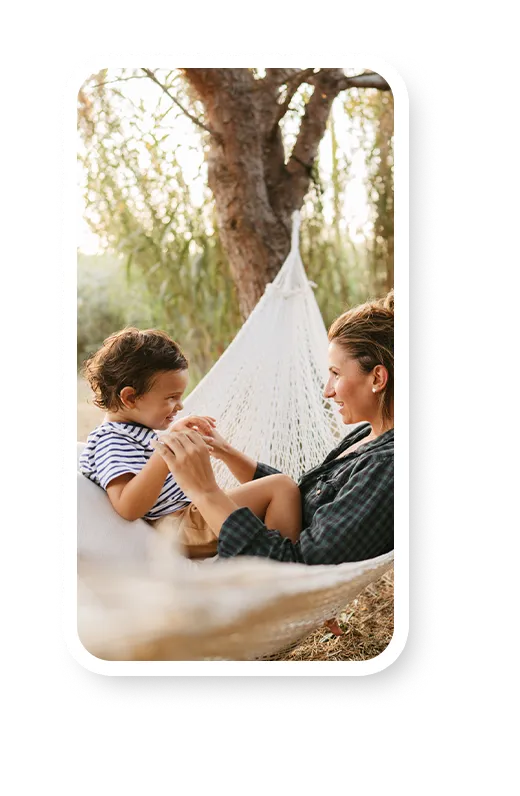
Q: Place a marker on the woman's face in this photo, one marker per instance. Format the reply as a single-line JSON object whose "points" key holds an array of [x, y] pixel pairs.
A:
{"points": [[349, 387]]}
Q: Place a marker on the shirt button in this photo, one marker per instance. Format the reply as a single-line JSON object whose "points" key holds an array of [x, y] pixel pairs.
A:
{"points": [[318, 491]]}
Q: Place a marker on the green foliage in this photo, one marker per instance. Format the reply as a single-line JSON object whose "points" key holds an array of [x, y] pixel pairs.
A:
{"points": [[332, 260], [140, 204], [336, 265], [107, 302], [372, 113]]}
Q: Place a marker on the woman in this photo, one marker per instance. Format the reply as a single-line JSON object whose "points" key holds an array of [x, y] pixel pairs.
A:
{"points": [[347, 501]]}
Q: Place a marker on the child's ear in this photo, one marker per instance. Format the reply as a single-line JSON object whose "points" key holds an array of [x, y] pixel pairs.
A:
{"points": [[128, 396]]}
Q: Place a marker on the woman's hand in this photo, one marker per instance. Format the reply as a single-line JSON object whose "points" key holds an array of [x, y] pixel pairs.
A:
{"points": [[218, 446], [202, 424], [187, 457]]}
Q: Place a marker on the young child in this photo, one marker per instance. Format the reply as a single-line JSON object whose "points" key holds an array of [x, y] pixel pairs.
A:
{"points": [[139, 378]]}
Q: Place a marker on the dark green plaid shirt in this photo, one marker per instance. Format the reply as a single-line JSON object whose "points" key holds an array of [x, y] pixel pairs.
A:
{"points": [[347, 507]]}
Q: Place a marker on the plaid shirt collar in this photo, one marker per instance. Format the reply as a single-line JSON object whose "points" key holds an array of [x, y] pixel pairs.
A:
{"points": [[357, 434]]}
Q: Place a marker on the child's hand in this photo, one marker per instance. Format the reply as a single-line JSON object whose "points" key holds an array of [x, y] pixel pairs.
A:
{"points": [[204, 425], [218, 446]]}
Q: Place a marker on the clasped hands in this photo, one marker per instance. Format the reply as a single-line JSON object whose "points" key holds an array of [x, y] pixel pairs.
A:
{"points": [[185, 447]]}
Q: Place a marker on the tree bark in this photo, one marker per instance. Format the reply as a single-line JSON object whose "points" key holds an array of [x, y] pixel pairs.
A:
{"points": [[255, 190]]}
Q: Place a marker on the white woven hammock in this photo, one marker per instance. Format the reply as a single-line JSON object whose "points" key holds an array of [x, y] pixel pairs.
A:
{"points": [[140, 600]]}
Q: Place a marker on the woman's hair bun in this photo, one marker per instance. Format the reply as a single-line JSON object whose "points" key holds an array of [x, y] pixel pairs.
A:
{"points": [[388, 301]]}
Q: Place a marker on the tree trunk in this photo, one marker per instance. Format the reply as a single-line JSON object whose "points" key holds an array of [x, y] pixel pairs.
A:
{"points": [[255, 189]]}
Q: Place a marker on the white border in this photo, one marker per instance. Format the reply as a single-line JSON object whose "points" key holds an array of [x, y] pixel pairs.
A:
{"points": [[401, 580]]}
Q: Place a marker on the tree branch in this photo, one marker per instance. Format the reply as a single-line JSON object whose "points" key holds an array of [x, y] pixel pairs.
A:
{"points": [[119, 80], [293, 78], [293, 83], [277, 77], [151, 75], [328, 83], [366, 80]]}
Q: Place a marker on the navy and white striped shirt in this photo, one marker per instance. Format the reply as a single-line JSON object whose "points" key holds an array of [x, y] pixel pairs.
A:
{"points": [[114, 449]]}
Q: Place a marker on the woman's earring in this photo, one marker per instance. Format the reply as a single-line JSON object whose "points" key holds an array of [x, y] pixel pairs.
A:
{"points": [[374, 389]]}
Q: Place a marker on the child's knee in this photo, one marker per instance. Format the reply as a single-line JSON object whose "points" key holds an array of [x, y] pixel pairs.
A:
{"points": [[286, 483], [283, 480]]}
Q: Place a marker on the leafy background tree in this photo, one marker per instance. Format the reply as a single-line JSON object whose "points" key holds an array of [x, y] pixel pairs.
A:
{"points": [[180, 224]]}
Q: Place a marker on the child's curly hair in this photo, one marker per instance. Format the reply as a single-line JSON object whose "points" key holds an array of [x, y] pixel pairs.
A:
{"points": [[130, 358]]}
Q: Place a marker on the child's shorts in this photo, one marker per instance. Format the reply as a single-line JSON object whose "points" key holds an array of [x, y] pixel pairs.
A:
{"points": [[188, 527]]}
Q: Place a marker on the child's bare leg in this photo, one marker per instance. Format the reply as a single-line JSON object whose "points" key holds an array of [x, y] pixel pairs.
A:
{"points": [[276, 500], [284, 512]]}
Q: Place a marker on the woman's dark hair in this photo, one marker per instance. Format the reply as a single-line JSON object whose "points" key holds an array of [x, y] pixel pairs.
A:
{"points": [[367, 334], [130, 358]]}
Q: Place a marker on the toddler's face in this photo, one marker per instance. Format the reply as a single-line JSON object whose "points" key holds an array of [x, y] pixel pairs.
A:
{"points": [[157, 407]]}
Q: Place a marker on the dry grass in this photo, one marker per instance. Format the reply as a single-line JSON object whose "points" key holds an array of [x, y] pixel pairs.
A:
{"points": [[367, 622]]}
